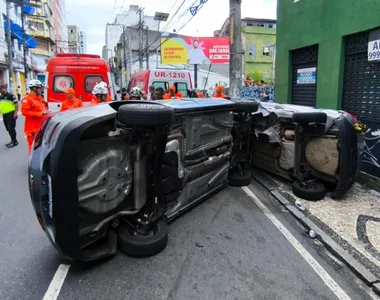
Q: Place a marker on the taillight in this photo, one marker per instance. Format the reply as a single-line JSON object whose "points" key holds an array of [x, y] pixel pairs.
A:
{"points": [[40, 133]]}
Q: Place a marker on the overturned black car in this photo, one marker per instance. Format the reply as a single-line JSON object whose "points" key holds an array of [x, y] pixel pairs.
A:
{"points": [[116, 173]]}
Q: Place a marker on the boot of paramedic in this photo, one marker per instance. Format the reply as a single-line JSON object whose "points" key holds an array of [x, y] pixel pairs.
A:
{"points": [[219, 92], [34, 109], [71, 101], [100, 93]]}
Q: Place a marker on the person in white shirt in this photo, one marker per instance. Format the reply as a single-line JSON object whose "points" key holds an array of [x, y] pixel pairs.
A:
{"points": [[196, 56]]}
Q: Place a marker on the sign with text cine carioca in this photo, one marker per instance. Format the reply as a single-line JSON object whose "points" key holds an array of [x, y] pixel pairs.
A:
{"points": [[307, 76], [206, 50], [374, 50]]}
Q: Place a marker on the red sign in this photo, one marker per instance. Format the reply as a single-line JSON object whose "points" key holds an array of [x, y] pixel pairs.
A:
{"points": [[202, 50]]}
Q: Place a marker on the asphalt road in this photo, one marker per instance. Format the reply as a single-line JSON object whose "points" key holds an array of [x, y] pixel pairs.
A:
{"points": [[225, 248]]}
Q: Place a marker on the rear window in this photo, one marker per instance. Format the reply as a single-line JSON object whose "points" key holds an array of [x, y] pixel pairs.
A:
{"points": [[62, 82], [182, 87], [90, 81], [161, 84]]}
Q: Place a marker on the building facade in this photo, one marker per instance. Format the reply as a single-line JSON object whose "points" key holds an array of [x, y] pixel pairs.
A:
{"points": [[41, 27], [21, 43], [60, 26], [328, 56], [74, 39], [259, 46]]}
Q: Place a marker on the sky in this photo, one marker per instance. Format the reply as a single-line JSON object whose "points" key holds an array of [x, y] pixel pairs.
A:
{"points": [[91, 16]]}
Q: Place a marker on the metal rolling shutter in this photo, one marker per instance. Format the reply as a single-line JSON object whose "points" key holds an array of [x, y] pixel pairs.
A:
{"points": [[304, 94]]}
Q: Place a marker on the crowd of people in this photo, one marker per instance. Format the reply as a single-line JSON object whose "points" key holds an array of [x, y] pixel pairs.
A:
{"points": [[172, 93], [35, 109]]}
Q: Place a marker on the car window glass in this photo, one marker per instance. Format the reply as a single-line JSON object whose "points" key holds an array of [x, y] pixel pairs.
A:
{"points": [[161, 84], [90, 81], [62, 82], [182, 87]]}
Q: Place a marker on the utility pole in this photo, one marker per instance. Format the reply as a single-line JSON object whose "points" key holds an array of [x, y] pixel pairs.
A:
{"points": [[235, 48], [10, 48], [140, 26], [24, 45], [125, 55], [147, 47]]}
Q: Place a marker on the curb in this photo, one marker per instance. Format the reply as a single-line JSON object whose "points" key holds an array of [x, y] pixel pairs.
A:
{"points": [[359, 269]]}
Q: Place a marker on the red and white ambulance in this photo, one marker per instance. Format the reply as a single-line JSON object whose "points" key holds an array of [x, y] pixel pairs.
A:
{"points": [[78, 71], [162, 78]]}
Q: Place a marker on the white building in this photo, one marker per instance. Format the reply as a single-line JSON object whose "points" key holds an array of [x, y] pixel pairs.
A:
{"points": [[129, 17], [75, 39], [17, 48]]}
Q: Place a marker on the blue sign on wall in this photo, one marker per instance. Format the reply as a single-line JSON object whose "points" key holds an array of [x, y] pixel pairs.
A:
{"points": [[307, 76]]}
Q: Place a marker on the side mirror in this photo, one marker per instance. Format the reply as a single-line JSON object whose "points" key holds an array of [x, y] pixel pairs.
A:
{"points": [[118, 91]]}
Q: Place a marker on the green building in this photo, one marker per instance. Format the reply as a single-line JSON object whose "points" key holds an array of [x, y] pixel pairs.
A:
{"points": [[328, 56], [259, 44]]}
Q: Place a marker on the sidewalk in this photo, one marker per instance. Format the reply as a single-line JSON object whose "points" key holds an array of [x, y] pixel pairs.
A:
{"points": [[349, 228]]}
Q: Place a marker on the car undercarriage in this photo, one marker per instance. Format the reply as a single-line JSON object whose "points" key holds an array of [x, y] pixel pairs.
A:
{"points": [[128, 168]]}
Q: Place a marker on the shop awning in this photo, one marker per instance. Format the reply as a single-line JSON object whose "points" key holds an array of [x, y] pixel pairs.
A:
{"points": [[17, 31], [30, 42]]}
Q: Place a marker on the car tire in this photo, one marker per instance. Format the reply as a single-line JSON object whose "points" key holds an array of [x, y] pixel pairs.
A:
{"points": [[246, 106], [314, 190], [138, 246], [239, 180], [307, 118], [146, 114]]}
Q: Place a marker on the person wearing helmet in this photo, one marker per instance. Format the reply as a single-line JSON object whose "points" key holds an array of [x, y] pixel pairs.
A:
{"points": [[219, 92], [136, 93], [35, 109], [71, 101], [100, 93]]}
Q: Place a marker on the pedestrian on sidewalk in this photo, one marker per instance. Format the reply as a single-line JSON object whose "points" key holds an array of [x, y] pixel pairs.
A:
{"points": [[19, 93], [34, 109], [9, 110]]}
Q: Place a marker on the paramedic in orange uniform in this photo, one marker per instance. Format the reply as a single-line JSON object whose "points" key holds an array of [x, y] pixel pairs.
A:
{"points": [[100, 93], [71, 101], [219, 92], [34, 109], [172, 93]]}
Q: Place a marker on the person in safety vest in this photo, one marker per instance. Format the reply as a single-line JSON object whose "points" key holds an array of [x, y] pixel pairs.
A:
{"points": [[136, 94], [34, 109], [219, 92], [9, 110], [172, 93], [71, 101], [100, 93]]}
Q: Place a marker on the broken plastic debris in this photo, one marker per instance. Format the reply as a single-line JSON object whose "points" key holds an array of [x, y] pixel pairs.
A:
{"points": [[300, 205], [312, 233]]}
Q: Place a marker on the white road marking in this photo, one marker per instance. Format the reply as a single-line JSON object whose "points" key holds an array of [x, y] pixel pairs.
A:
{"points": [[57, 282], [322, 273]]}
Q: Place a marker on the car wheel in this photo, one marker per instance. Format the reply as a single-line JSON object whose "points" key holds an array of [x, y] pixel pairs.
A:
{"points": [[307, 118], [239, 180], [312, 190], [246, 106], [143, 246], [147, 114]]}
